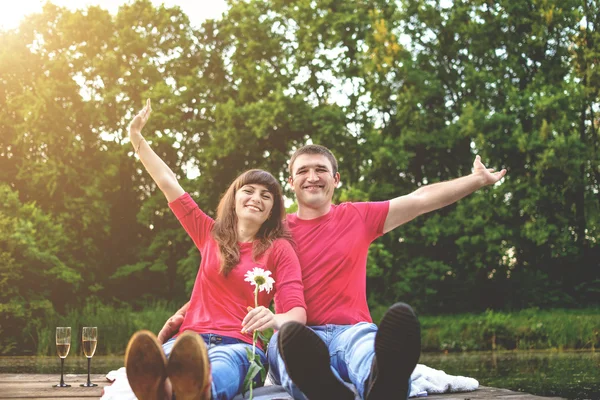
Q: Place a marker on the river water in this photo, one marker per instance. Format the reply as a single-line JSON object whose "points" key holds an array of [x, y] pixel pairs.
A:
{"points": [[573, 375]]}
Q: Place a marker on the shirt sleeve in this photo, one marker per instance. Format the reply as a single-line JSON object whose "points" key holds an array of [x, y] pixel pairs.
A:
{"points": [[197, 224], [374, 214], [289, 290]]}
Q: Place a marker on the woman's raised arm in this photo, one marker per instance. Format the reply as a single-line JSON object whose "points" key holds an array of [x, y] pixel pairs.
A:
{"points": [[160, 172]]}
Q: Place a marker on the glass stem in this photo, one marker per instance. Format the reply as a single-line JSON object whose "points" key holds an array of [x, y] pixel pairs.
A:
{"points": [[62, 366], [89, 361]]}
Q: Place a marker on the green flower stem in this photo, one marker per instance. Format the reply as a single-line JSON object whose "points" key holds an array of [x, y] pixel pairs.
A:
{"points": [[254, 339]]}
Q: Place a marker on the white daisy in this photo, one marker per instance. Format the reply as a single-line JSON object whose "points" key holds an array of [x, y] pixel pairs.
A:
{"points": [[260, 278]]}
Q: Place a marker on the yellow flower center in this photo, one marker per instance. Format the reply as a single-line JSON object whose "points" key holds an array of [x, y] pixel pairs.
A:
{"points": [[260, 280]]}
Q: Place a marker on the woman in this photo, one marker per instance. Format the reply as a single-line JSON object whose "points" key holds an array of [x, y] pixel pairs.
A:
{"points": [[247, 233]]}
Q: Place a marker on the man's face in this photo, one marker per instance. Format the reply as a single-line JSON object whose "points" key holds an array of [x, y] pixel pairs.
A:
{"points": [[313, 180]]}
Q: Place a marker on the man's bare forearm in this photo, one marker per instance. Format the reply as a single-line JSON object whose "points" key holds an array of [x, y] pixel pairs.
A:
{"points": [[173, 324], [183, 309], [438, 195]]}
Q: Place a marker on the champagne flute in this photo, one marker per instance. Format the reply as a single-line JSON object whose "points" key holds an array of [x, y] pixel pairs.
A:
{"points": [[63, 344], [90, 340]]}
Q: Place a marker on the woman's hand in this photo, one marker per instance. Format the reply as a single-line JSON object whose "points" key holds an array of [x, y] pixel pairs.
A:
{"points": [[160, 172], [258, 319], [139, 121]]}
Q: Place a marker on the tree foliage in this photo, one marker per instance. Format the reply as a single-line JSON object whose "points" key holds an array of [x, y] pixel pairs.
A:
{"points": [[405, 93]]}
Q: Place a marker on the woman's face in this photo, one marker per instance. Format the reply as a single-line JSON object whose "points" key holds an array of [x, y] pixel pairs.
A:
{"points": [[253, 203]]}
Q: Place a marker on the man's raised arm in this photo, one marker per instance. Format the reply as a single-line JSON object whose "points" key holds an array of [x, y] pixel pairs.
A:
{"points": [[435, 196]]}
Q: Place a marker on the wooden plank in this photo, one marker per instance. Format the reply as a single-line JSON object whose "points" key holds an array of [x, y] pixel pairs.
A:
{"points": [[485, 392], [81, 378], [39, 386]]}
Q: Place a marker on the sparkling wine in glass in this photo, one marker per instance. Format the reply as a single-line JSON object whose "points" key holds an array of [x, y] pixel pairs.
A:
{"points": [[90, 340], [63, 344]]}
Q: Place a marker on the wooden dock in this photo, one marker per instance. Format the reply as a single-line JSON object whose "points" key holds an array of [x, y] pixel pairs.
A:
{"points": [[39, 386]]}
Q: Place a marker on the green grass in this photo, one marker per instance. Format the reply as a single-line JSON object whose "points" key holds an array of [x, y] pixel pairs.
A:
{"points": [[115, 326], [524, 330], [530, 329]]}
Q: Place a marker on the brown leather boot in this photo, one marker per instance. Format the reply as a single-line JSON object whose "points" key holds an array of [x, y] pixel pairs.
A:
{"points": [[145, 365], [188, 368]]}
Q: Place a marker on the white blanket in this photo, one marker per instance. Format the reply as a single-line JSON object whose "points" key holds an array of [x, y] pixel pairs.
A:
{"points": [[120, 389], [425, 380]]}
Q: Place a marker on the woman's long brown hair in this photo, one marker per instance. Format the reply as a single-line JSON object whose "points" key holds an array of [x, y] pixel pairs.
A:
{"points": [[225, 228]]}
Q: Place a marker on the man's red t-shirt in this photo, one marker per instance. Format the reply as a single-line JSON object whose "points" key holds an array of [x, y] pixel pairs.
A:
{"points": [[219, 304], [333, 254]]}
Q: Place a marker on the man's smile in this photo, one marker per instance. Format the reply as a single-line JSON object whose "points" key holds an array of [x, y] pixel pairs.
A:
{"points": [[312, 187]]}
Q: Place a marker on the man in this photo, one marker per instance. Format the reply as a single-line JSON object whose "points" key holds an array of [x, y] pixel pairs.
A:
{"points": [[340, 343]]}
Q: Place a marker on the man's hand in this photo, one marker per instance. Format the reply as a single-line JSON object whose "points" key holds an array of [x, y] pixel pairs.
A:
{"points": [[488, 176], [258, 319], [171, 327]]}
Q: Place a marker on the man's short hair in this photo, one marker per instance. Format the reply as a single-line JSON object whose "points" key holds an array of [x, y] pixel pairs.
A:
{"points": [[314, 149]]}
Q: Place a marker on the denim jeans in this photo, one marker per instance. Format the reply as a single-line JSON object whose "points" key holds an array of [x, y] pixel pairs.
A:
{"points": [[351, 351], [228, 362]]}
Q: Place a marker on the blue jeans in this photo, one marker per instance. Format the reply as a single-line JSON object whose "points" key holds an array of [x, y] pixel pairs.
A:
{"points": [[351, 351], [228, 362]]}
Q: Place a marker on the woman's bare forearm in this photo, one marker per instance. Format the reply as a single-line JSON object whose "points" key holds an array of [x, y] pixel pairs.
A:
{"points": [[160, 172]]}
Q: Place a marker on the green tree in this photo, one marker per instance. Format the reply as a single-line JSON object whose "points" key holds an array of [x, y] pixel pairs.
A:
{"points": [[494, 79], [34, 275], [405, 93]]}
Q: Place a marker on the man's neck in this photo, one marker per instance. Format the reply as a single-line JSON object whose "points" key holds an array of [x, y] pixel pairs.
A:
{"points": [[306, 212]]}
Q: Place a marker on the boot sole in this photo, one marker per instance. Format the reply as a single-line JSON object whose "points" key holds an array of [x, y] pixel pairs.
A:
{"points": [[188, 367], [145, 365], [308, 364], [397, 351]]}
